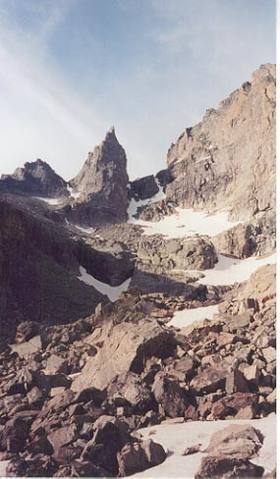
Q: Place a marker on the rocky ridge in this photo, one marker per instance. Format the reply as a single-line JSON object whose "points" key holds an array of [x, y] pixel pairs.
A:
{"points": [[80, 375], [216, 164]]}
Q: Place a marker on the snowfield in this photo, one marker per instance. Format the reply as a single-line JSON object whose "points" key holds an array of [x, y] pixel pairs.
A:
{"points": [[187, 222], [175, 438], [186, 317], [113, 292], [230, 270]]}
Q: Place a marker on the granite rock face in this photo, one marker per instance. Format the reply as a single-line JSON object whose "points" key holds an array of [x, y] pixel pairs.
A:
{"points": [[101, 185], [228, 159], [36, 178]]}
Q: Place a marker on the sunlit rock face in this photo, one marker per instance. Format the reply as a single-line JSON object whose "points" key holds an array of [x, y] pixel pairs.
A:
{"points": [[228, 159], [101, 185]]}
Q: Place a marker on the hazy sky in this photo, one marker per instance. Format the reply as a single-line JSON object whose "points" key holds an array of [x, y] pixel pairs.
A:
{"points": [[70, 69]]}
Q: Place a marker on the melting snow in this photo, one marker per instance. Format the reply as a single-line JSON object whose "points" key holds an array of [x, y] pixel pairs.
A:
{"points": [[113, 292], [186, 317], [3, 465], [177, 437], [73, 194], [186, 222], [50, 201], [230, 270], [88, 230], [134, 205]]}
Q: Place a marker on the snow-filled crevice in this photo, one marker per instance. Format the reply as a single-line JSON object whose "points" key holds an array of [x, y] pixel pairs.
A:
{"points": [[135, 204], [50, 201], [113, 292]]}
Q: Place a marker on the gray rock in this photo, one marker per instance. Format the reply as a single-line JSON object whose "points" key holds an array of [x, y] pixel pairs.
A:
{"points": [[102, 185]]}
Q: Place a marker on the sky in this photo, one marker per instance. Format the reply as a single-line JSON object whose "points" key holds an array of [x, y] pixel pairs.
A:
{"points": [[71, 69]]}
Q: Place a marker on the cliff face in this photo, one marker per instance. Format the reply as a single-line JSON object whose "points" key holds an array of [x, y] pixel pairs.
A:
{"points": [[101, 185], [39, 266], [228, 159], [35, 178]]}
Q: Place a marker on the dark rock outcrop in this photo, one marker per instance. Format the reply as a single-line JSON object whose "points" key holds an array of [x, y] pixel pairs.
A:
{"points": [[143, 188], [38, 273], [37, 179]]}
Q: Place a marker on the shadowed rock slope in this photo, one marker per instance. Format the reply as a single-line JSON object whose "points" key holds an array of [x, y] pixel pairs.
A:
{"points": [[38, 272]]}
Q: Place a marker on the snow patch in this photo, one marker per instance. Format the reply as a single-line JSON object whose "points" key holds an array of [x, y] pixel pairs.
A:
{"points": [[74, 194], [187, 222], [3, 466], [175, 438], [50, 201], [186, 317], [230, 270], [135, 204], [88, 230], [113, 292]]}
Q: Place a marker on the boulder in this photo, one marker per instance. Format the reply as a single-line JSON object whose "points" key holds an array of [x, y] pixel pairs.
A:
{"points": [[56, 364], [126, 348], [224, 467], [26, 330], [127, 388], [137, 457], [239, 441], [63, 436], [236, 382], [269, 354], [196, 253], [209, 380], [169, 395], [230, 405], [238, 241], [109, 437]]}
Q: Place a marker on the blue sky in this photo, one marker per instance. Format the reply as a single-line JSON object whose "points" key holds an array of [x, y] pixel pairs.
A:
{"points": [[70, 69]]}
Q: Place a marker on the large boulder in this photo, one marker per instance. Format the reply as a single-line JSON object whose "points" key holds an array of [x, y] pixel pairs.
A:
{"points": [[109, 437], [170, 396], [126, 347], [127, 389], [185, 253], [226, 467], [246, 239], [240, 441]]}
